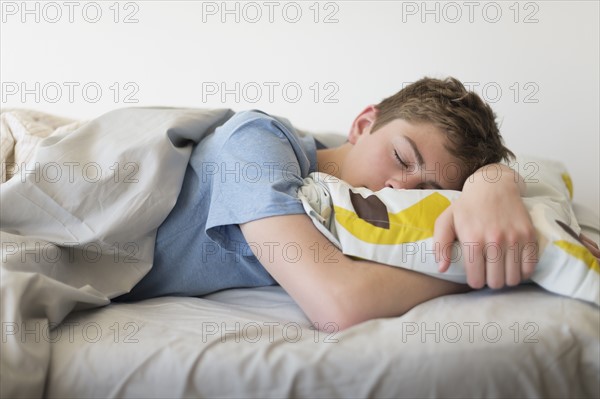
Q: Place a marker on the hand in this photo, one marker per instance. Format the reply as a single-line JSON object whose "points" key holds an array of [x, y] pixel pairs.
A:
{"points": [[496, 236]]}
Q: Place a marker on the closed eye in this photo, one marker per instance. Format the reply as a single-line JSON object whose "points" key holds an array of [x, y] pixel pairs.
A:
{"points": [[425, 186], [429, 185], [400, 161]]}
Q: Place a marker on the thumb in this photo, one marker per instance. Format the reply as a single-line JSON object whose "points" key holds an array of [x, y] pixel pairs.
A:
{"points": [[443, 237]]}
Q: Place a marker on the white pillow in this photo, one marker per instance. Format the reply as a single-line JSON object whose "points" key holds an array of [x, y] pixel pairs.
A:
{"points": [[395, 227], [544, 177]]}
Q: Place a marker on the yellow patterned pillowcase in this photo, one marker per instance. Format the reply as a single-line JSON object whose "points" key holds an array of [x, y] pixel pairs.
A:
{"points": [[395, 227]]}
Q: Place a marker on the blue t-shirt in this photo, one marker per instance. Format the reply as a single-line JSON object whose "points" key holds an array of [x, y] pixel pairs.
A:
{"points": [[250, 168]]}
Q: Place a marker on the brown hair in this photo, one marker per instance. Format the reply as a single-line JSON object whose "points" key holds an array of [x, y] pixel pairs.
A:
{"points": [[468, 121]]}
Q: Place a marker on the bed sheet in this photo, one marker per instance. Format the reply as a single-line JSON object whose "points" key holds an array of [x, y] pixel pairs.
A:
{"points": [[514, 342], [521, 342], [71, 239]]}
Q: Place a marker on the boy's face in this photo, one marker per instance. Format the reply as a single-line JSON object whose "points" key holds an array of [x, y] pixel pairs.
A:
{"points": [[400, 155]]}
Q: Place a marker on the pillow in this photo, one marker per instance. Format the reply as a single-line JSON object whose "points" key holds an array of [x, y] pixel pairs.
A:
{"points": [[395, 227], [544, 177]]}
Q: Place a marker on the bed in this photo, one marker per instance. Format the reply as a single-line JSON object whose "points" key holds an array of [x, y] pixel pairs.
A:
{"points": [[61, 336]]}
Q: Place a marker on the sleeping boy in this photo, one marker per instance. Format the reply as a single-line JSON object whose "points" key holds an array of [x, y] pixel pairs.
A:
{"points": [[238, 221]]}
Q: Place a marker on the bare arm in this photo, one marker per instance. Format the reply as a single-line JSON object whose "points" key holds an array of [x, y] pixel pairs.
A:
{"points": [[329, 286]]}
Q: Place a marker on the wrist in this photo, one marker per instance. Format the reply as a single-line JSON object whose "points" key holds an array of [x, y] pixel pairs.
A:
{"points": [[496, 176]]}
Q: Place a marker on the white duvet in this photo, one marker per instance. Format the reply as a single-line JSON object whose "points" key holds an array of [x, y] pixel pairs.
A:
{"points": [[79, 219]]}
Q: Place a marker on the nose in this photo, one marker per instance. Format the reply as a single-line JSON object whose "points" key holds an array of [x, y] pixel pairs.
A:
{"points": [[408, 181]]}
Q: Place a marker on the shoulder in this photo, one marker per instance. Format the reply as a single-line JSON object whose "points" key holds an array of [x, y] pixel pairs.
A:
{"points": [[250, 130], [256, 132], [257, 121]]}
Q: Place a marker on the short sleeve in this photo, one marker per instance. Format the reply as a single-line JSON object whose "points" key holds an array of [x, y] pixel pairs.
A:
{"points": [[259, 168]]}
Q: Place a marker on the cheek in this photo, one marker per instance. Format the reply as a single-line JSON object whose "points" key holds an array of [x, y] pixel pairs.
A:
{"points": [[356, 168], [366, 166]]}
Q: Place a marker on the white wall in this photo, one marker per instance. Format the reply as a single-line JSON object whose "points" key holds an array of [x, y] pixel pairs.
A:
{"points": [[536, 62]]}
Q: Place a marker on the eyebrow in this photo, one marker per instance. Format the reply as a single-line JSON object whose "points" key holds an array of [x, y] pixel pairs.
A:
{"points": [[421, 162]]}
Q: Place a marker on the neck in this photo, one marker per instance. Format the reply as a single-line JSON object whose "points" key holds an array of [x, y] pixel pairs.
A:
{"points": [[330, 160]]}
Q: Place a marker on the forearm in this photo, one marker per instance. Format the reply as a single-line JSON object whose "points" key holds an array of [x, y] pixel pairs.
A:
{"points": [[368, 290], [329, 286]]}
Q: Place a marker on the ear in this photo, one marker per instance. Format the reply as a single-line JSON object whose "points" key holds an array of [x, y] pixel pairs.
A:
{"points": [[362, 124]]}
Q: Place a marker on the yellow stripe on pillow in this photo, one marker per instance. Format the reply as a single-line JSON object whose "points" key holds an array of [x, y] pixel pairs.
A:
{"points": [[568, 182], [580, 252], [412, 224]]}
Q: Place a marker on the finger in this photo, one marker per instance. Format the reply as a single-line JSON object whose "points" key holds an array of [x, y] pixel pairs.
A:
{"points": [[494, 256], [474, 264], [513, 264], [529, 258], [530, 252], [444, 236]]}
